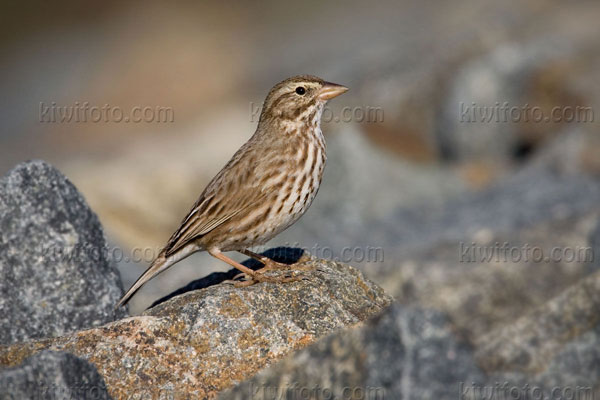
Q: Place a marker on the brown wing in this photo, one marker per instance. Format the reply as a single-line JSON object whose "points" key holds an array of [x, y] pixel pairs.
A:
{"points": [[234, 189]]}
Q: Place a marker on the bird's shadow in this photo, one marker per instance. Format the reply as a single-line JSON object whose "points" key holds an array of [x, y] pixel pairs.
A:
{"points": [[286, 255]]}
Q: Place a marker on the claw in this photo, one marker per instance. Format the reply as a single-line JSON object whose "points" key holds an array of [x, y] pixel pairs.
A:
{"points": [[241, 275], [241, 284], [260, 277], [271, 265], [240, 280]]}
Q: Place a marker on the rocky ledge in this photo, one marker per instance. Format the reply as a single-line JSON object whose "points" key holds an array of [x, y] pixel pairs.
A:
{"points": [[203, 341]]}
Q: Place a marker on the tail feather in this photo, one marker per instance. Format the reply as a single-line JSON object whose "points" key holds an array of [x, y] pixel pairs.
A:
{"points": [[161, 263], [157, 266]]}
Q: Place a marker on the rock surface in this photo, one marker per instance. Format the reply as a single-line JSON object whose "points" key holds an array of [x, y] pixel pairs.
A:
{"points": [[475, 259], [555, 348], [52, 375], [530, 343], [56, 274], [203, 341], [478, 283], [533, 196], [414, 353], [406, 353]]}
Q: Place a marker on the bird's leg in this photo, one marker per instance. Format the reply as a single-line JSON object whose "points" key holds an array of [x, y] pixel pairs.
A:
{"points": [[268, 263], [255, 276], [245, 270]]}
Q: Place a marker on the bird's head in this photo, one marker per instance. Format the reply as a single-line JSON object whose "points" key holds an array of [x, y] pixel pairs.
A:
{"points": [[299, 99]]}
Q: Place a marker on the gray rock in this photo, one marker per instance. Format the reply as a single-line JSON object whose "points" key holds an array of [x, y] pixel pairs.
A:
{"points": [[554, 350], [482, 87], [52, 375], [414, 353], [538, 207], [498, 108], [534, 195], [533, 341], [489, 279], [56, 274], [594, 241], [571, 371], [405, 353], [203, 341]]}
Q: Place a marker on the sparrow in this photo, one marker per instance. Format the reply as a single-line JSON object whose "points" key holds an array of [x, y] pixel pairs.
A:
{"points": [[268, 184]]}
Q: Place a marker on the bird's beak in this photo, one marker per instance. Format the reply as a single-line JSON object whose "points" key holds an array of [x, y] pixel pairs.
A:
{"points": [[331, 90]]}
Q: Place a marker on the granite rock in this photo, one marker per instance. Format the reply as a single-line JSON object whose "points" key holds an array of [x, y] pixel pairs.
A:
{"points": [[52, 375], [531, 342], [415, 353], [405, 353], [552, 351], [490, 278], [56, 274], [203, 341]]}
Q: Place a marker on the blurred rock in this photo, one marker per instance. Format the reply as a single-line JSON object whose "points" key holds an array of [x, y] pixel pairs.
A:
{"points": [[487, 258], [476, 125], [203, 341], [56, 276], [413, 353], [532, 342], [498, 58], [405, 353], [533, 196], [573, 151], [594, 241], [491, 279], [500, 108], [52, 375], [554, 348]]}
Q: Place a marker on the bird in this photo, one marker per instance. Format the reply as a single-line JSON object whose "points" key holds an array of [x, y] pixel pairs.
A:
{"points": [[266, 186]]}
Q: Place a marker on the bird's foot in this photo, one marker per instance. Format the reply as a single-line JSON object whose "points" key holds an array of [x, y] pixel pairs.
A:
{"points": [[271, 265], [240, 280], [245, 280], [292, 274]]}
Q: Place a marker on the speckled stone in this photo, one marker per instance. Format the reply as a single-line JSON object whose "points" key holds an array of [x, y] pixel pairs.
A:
{"points": [[52, 375], [414, 353], [56, 276], [533, 341], [198, 343], [404, 353]]}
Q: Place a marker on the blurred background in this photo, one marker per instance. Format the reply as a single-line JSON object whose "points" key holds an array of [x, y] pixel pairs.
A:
{"points": [[405, 184]]}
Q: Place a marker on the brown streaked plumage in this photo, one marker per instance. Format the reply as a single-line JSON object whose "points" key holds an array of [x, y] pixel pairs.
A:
{"points": [[266, 186]]}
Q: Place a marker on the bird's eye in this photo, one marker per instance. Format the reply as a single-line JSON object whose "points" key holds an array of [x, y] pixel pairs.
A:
{"points": [[300, 90]]}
